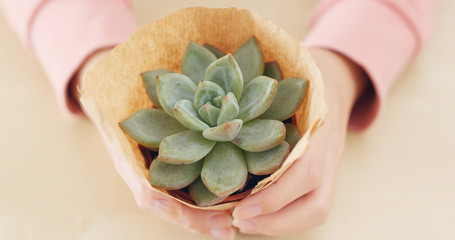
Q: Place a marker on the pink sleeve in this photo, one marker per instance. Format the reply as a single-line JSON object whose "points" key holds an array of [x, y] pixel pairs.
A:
{"points": [[63, 33], [381, 36]]}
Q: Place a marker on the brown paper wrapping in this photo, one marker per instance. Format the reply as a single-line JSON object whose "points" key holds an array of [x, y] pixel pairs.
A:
{"points": [[113, 88]]}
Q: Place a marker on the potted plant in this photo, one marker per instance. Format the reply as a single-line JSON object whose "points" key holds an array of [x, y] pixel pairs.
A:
{"points": [[114, 91]]}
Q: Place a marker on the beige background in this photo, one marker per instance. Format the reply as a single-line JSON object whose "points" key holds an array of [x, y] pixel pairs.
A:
{"points": [[396, 180]]}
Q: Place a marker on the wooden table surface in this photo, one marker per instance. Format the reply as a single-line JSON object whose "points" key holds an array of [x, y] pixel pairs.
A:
{"points": [[395, 181]]}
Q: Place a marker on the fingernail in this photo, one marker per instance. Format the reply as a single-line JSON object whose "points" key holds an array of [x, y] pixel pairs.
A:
{"points": [[223, 233], [232, 232], [220, 221], [246, 212], [245, 225], [167, 209]]}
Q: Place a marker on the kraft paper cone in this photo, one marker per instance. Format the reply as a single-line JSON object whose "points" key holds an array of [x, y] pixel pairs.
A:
{"points": [[113, 88]]}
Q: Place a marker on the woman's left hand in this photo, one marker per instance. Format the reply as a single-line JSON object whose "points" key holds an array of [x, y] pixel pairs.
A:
{"points": [[301, 197]]}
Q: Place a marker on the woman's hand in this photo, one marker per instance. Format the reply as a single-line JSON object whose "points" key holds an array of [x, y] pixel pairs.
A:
{"points": [[301, 197], [215, 223]]}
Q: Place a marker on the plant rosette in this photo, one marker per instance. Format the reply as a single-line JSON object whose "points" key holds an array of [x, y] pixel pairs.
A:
{"points": [[201, 119]]}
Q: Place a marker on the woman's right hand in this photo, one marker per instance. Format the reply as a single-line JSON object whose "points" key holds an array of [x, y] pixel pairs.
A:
{"points": [[215, 223]]}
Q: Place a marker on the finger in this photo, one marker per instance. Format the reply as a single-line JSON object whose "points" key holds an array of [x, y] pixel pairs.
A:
{"points": [[302, 177], [220, 233], [305, 212], [190, 218], [224, 233], [204, 219]]}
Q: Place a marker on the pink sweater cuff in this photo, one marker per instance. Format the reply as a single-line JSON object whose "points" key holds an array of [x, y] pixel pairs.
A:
{"points": [[374, 35], [64, 33]]}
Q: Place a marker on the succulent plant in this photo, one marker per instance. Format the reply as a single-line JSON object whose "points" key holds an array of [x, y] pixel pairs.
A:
{"points": [[218, 121]]}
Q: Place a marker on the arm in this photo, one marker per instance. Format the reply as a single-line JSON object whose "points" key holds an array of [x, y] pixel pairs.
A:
{"points": [[381, 36], [63, 34], [360, 47]]}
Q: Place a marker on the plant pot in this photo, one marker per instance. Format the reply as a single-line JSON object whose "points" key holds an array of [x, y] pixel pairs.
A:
{"points": [[113, 88]]}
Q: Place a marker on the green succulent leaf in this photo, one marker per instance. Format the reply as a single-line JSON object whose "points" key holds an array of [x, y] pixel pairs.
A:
{"points": [[149, 81], [266, 162], [184, 148], [149, 126], [224, 170], [257, 97], [186, 114], [217, 52], [195, 61], [229, 109], [289, 96], [202, 195], [209, 114], [173, 176], [218, 101], [250, 60], [292, 134], [224, 132], [271, 69], [205, 92], [226, 73], [171, 88], [260, 135]]}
